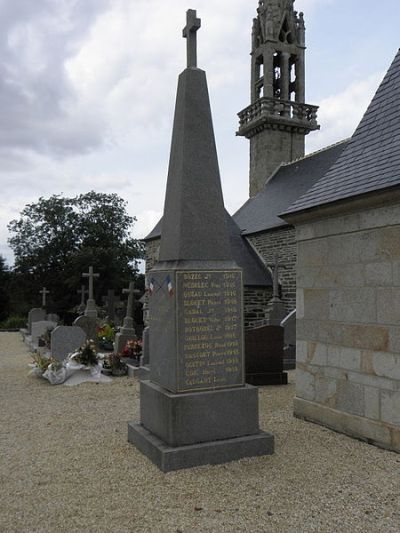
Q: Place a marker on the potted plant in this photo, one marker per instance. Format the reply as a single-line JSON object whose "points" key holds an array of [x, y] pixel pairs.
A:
{"points": [[133, 350], [113, 364]]}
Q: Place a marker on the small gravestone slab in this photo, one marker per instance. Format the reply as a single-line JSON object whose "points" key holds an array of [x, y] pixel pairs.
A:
{"points": [[39, 328], [65, 340], [89, 326], [35, 315]]}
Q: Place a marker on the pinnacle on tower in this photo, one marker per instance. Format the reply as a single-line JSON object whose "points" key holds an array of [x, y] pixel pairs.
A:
{"points": [[278, 118]]}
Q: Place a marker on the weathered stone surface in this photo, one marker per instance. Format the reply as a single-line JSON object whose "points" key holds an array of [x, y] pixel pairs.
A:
{"points": [[35, 315], [372, 403], [89, 325], [360, 427], [65, 340], [390, 407], [388, 303], [40, 327], [351, 305], [386, 365], [350, 398], [305, 384]]}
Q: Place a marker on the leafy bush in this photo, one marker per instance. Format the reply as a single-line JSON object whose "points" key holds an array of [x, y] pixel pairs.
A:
{"points": [[13, 322]]}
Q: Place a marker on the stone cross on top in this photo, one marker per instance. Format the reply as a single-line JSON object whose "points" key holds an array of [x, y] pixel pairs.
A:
{"points": [[44, 292], [131, 292], [190, 34], [91, 276], [275, 269]]}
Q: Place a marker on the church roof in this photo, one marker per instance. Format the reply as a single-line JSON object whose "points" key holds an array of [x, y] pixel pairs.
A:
{"points": [[371, 161], [292, 180], [255, 272]]}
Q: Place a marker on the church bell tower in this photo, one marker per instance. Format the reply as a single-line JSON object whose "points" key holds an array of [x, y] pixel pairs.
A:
{"points": [[278, 119]]}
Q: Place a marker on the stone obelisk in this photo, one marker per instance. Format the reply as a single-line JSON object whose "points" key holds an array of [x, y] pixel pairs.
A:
{"points": [[196, 408]]}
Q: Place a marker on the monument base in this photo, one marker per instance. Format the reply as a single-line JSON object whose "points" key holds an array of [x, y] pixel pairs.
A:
{"points": [[196, 428], [122, 338], [168, 458], [267, 378]]}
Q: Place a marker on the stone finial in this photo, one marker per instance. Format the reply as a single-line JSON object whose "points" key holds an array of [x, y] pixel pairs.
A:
{"points": [[44, 292], [193, 24], [275, 266]]}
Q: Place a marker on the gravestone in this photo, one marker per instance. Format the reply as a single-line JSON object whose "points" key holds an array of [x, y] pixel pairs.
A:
{"points": [[53, 317], [65, 340], [111, 301], [35, 315], [289, 353], [127, 332], [196, 408], [39, 328], [89, 326], [264, 356]]}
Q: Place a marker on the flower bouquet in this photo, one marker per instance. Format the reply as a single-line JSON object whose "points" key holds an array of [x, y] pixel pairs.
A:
{"points": [[133, 349], [106, 336]]}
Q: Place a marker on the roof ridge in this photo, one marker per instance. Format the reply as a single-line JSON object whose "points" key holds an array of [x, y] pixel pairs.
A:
{"points": [[312, 154]]}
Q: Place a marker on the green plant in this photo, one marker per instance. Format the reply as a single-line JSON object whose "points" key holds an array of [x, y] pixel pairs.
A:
{"points": [[42, 362], [13, 322], [87, 354]]}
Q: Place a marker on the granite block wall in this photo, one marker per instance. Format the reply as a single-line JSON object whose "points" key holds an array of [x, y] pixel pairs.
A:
{"points": [[348, 329]]}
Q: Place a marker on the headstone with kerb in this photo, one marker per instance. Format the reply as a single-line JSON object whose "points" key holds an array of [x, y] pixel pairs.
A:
{"points": [[196, 408]]}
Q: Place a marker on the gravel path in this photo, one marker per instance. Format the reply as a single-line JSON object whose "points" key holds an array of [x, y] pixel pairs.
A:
{"points": [[66, 466]]}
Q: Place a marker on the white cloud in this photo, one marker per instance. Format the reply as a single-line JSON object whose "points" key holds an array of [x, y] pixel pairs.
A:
{"points": [[340, 114]]}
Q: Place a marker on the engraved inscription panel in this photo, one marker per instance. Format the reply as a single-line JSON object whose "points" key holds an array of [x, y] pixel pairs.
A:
{"points": [[210, 330]]}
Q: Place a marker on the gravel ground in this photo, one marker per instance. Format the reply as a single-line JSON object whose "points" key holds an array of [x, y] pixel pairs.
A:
{"points": [[66, 466]]}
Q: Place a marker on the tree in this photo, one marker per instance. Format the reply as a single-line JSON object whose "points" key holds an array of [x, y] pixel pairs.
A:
{"points": [[56, 239], [4, 289]]}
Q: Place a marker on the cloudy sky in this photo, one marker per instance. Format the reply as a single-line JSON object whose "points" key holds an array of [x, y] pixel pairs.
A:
{"points": [[87, 91]]}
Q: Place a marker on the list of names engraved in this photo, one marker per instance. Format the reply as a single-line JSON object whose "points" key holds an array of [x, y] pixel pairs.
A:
{"points": [[210, 334]]}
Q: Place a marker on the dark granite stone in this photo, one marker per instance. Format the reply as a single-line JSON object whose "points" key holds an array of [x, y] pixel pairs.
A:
{"points": [[168, 458], [194, 223], [183, 419], [264, 356]]}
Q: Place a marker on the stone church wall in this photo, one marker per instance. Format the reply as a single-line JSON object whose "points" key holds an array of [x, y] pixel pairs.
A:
{"points": [[348, 328], [255, 298], [280, 242]]}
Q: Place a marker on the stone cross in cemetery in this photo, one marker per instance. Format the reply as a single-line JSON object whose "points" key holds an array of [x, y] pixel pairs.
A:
{"points": [[83, 291], [275, 266], [276, 308], [196, 408], [44, 292], [127, 332], [91, 310]]}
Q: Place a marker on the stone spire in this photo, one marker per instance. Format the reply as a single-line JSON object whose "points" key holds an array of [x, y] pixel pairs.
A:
{"points": [[278, 119], [194, 222]]}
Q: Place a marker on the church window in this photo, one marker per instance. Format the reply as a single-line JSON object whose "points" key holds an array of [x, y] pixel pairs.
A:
{"points": [[292, 77]]}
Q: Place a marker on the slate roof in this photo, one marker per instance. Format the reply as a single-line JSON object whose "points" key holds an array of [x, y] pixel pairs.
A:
{"points": [[255, 273], [371, 161], [292, 180]]}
